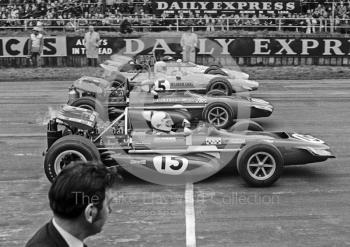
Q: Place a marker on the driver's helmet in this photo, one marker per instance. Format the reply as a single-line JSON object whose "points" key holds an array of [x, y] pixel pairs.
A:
{"points": [[160, 67], [146, 86], [161, 121]]}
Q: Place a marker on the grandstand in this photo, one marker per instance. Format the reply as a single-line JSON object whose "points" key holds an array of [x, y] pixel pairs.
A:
{"points": [[147, 16]]}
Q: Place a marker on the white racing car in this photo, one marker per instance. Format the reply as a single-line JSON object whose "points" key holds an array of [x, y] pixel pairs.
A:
{"points": [[182, 76]]}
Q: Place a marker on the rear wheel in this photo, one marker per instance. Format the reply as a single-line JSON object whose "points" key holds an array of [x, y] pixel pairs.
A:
{"points": [[66, 150], [219, 114], [260, 165], [92, 104]]}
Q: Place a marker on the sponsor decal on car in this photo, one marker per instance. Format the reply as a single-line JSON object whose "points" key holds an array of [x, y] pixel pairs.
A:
{"points": [[182, 100], [138, 162], [181, 85], [213, 141], [165, 139], [162, 85]]}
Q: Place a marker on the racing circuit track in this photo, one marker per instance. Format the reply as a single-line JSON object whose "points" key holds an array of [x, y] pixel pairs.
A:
{"points": [[308, 206]]}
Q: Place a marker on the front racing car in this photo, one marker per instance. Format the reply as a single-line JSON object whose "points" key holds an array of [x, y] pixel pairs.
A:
{"points": [[193, 153]]}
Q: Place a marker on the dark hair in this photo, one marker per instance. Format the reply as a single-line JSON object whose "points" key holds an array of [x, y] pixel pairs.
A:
{"points": [[77, 185]]}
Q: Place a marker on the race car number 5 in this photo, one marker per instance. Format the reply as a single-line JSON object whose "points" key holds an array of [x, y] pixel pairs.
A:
{"points": [[162, 85], [171, 165]]}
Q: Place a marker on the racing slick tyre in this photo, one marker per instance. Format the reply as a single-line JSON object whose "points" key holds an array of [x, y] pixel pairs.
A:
{"points": [[216, 92], [215, 66], [260, 165], [216, 72], [118, 83], [243, 125], [219, 114], [92, 104], [220, 84], [67, 149]]}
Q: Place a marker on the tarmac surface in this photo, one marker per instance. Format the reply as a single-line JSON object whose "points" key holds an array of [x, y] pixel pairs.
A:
{"points": [[308, 206]]}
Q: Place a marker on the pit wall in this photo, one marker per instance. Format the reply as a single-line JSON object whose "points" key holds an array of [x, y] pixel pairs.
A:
{"points": [[229, 50]]}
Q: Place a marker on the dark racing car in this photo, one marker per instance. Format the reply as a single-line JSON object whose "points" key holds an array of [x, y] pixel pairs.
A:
{"points": [[215, 108], [140, 145]]}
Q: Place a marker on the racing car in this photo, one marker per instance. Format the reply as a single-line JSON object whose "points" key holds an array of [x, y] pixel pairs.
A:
{"points": [[182, 76], [175, 156], [215, 108], [216, 69]]}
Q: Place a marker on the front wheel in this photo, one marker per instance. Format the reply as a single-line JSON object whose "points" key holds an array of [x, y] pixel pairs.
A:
{"points": [[220, 84], [66, 150], [215, 93], [243, 125], [260, 165], [217, 72]]}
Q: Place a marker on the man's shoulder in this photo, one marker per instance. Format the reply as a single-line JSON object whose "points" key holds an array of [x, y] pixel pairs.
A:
{"points": [[46, 236]]}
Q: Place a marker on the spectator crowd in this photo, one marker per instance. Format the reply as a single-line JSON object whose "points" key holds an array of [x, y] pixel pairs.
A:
{"points": [[128, 15]]}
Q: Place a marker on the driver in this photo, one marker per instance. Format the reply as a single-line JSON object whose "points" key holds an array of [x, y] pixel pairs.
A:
{"points": [[160, 67], [148, 87], [161, 123]]}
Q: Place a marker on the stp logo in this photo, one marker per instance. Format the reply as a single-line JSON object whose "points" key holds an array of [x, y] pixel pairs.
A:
{"points": [[18, 46]]}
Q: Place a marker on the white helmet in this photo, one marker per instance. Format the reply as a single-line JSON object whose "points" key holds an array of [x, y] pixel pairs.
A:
{"points": [[146, 86], [161, 121], [160, 67]]}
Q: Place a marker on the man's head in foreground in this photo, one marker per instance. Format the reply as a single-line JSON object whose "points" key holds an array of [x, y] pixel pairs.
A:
{"points": [[80, 198]]}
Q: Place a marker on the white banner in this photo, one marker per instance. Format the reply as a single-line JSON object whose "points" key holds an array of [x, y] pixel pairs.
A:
{"points": [[18, 46]]}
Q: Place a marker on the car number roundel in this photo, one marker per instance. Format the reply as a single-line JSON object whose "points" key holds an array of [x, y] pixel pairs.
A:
{"points": [[162, 85], [307, 138], [171, 165]]}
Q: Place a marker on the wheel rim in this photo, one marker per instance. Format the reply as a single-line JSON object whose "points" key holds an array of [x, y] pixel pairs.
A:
{"points": [[219, 86], [66, 157], [89, 107], [218, 116], [261, 166]]}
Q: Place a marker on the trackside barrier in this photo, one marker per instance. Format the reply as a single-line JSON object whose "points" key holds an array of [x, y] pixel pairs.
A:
{"points": [[248, 50]]}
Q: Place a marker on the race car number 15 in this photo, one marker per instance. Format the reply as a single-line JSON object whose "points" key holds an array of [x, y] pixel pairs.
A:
{"points": [[171, 165]]}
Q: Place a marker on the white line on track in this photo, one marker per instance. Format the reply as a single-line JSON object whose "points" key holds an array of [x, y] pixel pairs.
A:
{"points": [[190, 216]]}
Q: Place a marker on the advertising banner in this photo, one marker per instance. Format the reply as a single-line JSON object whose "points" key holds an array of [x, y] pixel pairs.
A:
{"points": [[18, 46], [218, 46], [108, 45], [212, 7]]}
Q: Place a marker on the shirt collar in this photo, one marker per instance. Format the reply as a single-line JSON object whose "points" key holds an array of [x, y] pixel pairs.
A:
{"points": [[69, 238]]}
